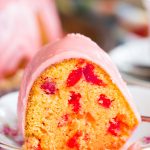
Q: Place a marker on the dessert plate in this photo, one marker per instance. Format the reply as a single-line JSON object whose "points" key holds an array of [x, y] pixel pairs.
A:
{"points": [[8, 116], [133, 60]]}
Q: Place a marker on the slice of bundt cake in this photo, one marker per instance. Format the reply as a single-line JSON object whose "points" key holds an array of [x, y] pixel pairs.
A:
{"points": [[72, 97]]}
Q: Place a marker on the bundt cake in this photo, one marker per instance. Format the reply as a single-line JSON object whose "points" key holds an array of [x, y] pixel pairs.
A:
{"points": [[18, 27], [72, 97], [24, 25], [20, 40], [47, 17]]}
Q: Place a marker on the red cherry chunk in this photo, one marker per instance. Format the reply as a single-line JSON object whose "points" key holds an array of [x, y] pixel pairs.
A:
{"points": [[80, 62], [89, 75], [74, 77], [73, 141], [86, 137], [49, 87], [114, 127], [63, 121], [38, 148], [75, 101], [104, 101]]}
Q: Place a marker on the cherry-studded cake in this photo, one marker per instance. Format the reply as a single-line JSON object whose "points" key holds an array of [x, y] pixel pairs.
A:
{"points": [[72, 97]]}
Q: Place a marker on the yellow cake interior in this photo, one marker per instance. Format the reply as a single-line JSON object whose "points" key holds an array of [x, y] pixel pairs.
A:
{"points": [[51, 122]]}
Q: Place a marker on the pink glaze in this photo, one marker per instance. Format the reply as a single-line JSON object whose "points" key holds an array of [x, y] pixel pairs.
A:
{"points": [[21, 32], [72, 46], [47, 12], [19, 37]]}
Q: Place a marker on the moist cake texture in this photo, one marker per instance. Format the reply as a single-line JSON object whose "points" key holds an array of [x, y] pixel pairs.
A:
{"points": [[74, 104]]}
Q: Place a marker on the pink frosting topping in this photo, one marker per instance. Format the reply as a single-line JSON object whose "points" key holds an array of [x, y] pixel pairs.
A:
{"points": [[21, 30], [72, 46], [46, 11], [20, 38]]}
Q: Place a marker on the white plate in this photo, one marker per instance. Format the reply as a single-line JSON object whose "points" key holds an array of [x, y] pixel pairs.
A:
{"points": [[141, 97], [134, 52], [130, 55], [8, 111]]}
